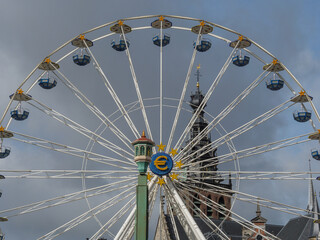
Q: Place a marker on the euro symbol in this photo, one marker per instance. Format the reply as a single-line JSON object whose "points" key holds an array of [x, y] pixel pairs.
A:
{"points": [[158, 162]]}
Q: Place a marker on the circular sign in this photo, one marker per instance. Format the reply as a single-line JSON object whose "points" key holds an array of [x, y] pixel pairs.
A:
{"points": [[161, 163]]}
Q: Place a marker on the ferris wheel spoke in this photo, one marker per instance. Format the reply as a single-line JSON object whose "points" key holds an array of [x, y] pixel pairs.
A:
{"points": [[81, 129], [89, 214], [134, 77], [161, 83], [197, 113], [184, 89], [225, 112], [224, 211], [152, 199], [222, 115], [205, 219], [104, 119], [209, 203], [71, 197], [114, 219], [191, 228], [69, 174], [113, 94], [253, 175], [173, 221], [244, 128], [275, 205], [272, 146], [72, 151], [127, 229], [257, 175]]}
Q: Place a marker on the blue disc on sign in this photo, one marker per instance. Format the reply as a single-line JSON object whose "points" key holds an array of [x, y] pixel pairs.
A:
{"points": [[161, 163]]}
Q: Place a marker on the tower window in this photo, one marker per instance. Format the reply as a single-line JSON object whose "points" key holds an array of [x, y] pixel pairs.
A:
{"points": [[137, 151], [142, 150], [148, 151], [221, 208], [209, 207], [197, 204]]}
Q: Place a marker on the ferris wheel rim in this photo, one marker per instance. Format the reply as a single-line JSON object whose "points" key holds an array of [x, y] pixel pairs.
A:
{"points": [[141, 28]]}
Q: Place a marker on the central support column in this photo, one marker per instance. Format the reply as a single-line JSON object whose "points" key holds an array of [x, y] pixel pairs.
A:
{"points": [[142, 208], [142, 156]]}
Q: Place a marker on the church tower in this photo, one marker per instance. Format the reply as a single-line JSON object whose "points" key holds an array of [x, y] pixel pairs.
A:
{"points": [[205, 166]]}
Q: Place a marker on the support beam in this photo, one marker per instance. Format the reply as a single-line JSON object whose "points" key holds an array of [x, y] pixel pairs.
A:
{"points": [[189, 225]]}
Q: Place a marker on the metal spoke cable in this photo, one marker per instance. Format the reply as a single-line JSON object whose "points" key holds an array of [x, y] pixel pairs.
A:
{"points": [[127, 229], [135, 81], [184, 89], [67, 174], [173, 221], [228, 213], [254, 150], [289, 209], [104, 119], [161, 68], [88, 214], [114, 219], [224, 113], [203, 103], [114, 96], [255, 175], [81, 129], [224, 236], [202, 216], [71, 197], [71, 150], [242, 129]]}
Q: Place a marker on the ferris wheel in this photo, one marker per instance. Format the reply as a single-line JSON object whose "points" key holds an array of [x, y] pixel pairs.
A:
{"points": [[75, 124]]}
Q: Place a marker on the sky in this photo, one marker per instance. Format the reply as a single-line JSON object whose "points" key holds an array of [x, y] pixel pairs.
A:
{"points": [[30, 30]]}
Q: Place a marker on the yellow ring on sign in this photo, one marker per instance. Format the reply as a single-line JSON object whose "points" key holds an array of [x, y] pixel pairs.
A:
{"points": [[158, 162]]}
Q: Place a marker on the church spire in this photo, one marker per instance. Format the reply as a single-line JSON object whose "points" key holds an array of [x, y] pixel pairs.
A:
{"points": [[258, 212], [313, 206], [198, 77], [311, 198]]}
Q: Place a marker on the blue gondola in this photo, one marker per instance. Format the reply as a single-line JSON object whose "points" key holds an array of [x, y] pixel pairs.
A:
{"points": [[204, 45], [19, 115], [275, 84], [165, 41], [302, 116], [121, 46], [81, 60], [4, 152], [47, 83], [241, 61], [315, 154]]}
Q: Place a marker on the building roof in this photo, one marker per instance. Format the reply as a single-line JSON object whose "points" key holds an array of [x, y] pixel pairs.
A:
{"points": [[299, 228], [143, 139], [230, 228]]}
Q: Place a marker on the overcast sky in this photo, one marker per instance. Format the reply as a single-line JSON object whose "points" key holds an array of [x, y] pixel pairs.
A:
{"points": [[30, 30]]}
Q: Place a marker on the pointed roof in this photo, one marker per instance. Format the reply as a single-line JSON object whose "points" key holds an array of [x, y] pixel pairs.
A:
{"points": [[258, 218], [313, 206], [143, 139], [302, 228]]}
